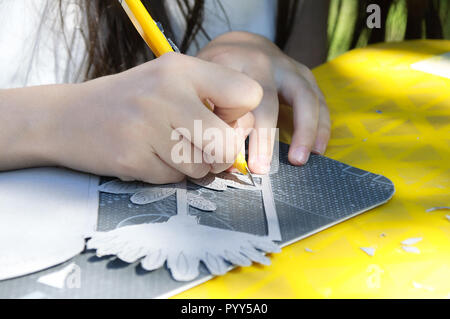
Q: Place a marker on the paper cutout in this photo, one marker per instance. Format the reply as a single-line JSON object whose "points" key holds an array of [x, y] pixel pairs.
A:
{"points": [[45, 216], [201, 203], [144, 193], [368, 250], [411, 241], [211, 182], [421, 286], [189, 244], [35, 295], [119, 187], [437, 65], [273, 224], [181, 242], [151, 195], [411, 249], [238, 181], [221, 181], [432, 209], [58, 278]]}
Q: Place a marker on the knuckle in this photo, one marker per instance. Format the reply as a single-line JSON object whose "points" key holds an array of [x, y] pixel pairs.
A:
{"points": [[170, 63], [261, 59]]}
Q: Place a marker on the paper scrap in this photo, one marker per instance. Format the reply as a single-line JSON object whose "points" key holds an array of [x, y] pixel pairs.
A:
{"points": [[421, 286], [368, 250], [437, 65], [411, 249], [432, 209], [58, 278], [35, 295], [411, 241]]}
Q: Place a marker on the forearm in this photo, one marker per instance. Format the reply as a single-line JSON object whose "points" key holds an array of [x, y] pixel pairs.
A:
{"points": [[27, 125]]}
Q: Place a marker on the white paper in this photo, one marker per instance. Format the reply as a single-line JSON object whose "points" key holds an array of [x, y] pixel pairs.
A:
{"points": [[368, 250], [411, 241], [438, 65], [58, 278], [182, 243], [45, 215], [411, 249]]}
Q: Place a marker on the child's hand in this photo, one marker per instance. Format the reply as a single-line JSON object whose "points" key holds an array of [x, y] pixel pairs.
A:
{"points": [[121, 125], [280, 76]]}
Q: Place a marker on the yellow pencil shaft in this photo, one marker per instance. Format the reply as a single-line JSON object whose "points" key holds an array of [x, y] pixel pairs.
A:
{"points": [[147, 27], [159, 45]]}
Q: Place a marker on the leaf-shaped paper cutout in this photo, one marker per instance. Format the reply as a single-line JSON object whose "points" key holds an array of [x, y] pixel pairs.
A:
{"points": [[211, 182], [119, 187], [131, 255], [237, 258], [154, 260], [183, 243], [215, 264], [183, 267], [265, 245], [255, 255], [201, 203], [238, 181], [151, 195]]}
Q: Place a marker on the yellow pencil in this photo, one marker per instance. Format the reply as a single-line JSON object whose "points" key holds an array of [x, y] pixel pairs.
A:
{"points": [[159, 44]]}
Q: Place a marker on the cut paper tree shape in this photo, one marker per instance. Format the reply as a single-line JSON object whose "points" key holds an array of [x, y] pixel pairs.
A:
{"points": [[181, 242]]}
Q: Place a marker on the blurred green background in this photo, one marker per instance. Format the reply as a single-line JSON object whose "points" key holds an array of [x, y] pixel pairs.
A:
{"points": [[400, 20]]}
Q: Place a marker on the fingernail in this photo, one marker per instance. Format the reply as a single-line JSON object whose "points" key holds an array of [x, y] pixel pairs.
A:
{"points": [[261, 165], [319, 147], [301, 154]]}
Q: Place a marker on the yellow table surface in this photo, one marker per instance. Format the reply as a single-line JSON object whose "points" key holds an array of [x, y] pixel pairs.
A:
{"points": [[408, 143]]}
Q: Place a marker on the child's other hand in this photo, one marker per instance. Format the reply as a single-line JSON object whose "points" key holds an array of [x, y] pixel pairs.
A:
{"points": [[121, 125], [281, 77]]}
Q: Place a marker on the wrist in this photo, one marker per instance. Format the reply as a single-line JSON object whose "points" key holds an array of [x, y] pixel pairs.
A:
{"points": [[29, 127]]}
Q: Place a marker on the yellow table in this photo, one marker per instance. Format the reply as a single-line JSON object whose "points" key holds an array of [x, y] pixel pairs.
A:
{"points": [[408, 141]]}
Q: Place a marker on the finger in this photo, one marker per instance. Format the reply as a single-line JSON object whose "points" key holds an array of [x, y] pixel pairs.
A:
{"points": [[205, 130], [243, 127], [305, 103], [180, 154], [323, 131], [266, 115], [233, 93], [309, 76]]}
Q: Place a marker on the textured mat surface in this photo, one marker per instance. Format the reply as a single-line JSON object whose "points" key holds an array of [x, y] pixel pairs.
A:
{"points": [[307, 199]]}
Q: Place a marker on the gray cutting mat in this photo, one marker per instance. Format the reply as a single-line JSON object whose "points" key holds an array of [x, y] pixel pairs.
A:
{"points": [[307, 199]]}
